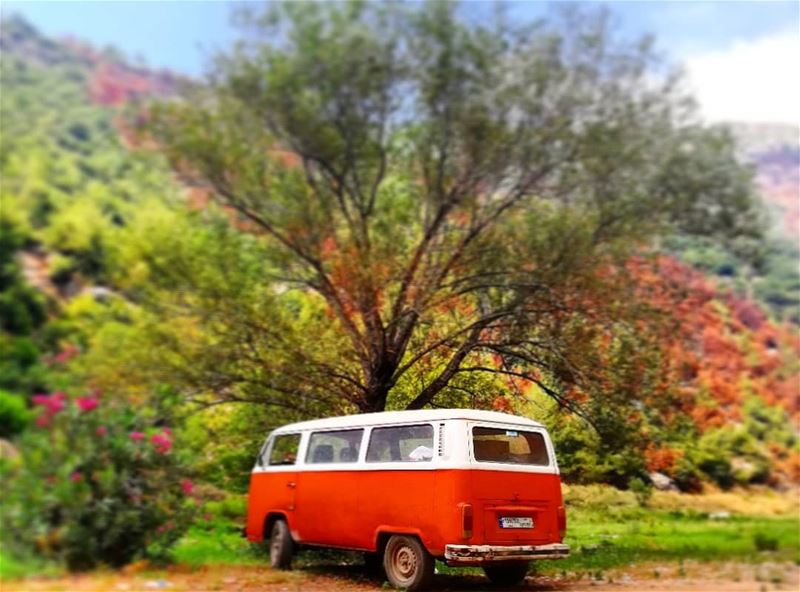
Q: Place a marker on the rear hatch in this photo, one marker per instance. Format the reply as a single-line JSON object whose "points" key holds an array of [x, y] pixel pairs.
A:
{"points": [[517, 508], [517, 488]]}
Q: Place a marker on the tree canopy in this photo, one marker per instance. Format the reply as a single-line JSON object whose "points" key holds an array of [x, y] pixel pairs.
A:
{"points": [[447, 201]]}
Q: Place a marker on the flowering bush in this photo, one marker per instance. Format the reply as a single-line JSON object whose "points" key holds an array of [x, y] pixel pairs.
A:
{"points": [[96, 482]]}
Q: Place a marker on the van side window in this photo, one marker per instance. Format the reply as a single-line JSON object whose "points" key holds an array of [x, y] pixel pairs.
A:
{"points": [[334, 447], [502, 445], [284, 449], [401, 444]]}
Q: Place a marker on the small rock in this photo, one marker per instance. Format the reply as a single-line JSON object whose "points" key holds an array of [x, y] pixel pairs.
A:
{"points": [[719, 515], [157, 584], [662, 482]]}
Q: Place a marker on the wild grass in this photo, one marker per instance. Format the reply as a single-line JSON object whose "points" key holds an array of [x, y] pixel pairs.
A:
{"points": [[606, 529], [606, 538]]}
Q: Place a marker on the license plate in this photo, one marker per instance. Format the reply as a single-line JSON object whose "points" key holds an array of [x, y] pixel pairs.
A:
{"points": [[516, 522]]}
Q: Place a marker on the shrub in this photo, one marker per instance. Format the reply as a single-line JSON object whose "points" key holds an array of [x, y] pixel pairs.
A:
{"points": [[14, 415], [96, 483], [765, 542], [642, 490]]}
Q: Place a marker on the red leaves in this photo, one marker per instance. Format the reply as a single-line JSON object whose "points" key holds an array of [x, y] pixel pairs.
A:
{"points": [[661, 459], [719, 346]]}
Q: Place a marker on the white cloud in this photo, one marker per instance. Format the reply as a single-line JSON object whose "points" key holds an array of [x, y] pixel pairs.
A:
{"points": [[753, 81]]}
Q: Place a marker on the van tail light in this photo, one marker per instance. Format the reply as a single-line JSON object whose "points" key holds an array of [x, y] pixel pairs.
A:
{"points": [[466, 520], [562, 522]]}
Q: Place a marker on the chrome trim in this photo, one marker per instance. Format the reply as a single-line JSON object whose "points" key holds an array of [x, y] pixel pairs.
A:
{"points": [[480, 553]]}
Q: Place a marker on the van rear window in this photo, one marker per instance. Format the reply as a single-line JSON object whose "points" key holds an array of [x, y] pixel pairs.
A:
{"points": [[401, 444], [501, 445]]}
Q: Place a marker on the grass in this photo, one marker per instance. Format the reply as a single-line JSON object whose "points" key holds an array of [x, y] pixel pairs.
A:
{"points": [[217, 542], [606, 538], [12, 567], [607, 529]]}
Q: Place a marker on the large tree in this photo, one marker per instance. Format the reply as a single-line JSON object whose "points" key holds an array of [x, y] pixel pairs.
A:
{"points": [[451, 197]]}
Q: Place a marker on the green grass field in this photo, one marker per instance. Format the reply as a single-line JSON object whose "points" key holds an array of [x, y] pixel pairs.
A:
{"points": [[605, 539], [607, 529]]}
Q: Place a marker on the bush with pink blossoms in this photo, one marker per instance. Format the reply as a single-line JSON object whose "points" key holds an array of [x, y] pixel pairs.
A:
{"points": [[96, 482]]}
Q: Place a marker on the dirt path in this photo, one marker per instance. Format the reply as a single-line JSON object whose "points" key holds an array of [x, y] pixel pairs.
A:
{"points": [[691, 577]]}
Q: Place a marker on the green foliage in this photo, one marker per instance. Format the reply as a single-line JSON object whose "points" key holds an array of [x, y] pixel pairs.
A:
{"points": [[730, 456], [765, 542], [14, 414], [768, 271], [98, 482], [642, 490], [21, 307]]}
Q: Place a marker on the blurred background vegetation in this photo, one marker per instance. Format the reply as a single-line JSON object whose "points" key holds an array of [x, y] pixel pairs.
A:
{"points": [[177, 280]]}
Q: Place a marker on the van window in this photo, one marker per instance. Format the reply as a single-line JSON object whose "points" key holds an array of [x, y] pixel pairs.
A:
{"points": [[401, 444], [334, 447], [503, 445], [284, 449]]}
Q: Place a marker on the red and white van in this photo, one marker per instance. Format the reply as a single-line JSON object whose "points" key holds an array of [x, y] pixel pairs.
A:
{"points": [[407, 487]]}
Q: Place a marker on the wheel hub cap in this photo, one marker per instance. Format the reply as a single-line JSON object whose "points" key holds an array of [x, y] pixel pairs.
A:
{"points": [[405, 561]]}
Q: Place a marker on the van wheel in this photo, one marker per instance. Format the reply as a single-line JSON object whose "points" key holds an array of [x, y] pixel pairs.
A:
{"points": [[506, 573], [281, 545], [407, 563]]}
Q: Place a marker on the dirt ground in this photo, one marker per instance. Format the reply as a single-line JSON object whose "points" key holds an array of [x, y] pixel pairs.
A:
{"points": [[691, 577]]}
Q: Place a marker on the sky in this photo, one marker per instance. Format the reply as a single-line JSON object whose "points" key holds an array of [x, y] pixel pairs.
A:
{"points": [[742, 58]]}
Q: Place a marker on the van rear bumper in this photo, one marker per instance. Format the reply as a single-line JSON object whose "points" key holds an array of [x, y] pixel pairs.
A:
{"points": [[482, 553]]}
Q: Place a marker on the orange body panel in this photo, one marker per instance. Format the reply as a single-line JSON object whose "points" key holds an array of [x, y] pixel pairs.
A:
{"points": [[350, 508]]}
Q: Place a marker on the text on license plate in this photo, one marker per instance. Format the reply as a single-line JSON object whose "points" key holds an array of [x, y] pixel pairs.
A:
{"points": [[516, 522]]}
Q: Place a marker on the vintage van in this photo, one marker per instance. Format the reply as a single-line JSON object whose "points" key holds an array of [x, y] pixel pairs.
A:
{"points": [[408, 487]]}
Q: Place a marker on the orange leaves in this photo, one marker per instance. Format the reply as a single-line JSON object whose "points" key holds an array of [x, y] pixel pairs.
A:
{"points": [[717, 344], [502, 404], [661, 459]]}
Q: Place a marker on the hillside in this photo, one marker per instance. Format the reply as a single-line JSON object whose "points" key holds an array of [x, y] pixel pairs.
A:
{"points": [[84, 211], [775, 152]]}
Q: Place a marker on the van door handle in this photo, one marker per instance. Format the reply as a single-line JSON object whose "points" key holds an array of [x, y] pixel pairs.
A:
{"points": [[291, 485]]}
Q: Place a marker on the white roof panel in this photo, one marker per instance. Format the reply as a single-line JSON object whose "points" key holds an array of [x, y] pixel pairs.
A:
{"points": [[421, 415]]}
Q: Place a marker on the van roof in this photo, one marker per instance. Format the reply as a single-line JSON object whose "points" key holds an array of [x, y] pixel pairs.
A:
{"points": [[390, 417]]}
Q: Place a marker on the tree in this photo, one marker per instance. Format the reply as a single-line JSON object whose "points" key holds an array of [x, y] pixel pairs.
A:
{"points": [[457, 199]]}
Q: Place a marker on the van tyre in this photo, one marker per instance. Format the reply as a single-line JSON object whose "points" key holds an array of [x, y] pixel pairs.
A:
{"points": [[506, 573], [281, 545], [407, 563]]}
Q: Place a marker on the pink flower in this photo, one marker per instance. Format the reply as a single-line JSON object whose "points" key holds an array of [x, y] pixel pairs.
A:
{"points": [[43, 421], [136, 436], [52, 404], [161, 443], [40, 400], [187, 486], [75, 477], [101, 430], [67, 352], [86, 403]]}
